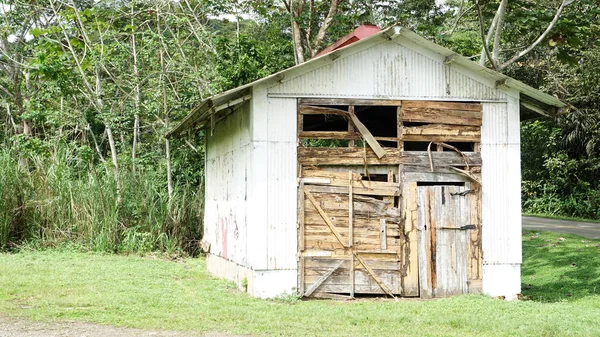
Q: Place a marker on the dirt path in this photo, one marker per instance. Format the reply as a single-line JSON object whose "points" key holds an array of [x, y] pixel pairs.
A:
{"points": [[16, 327]]}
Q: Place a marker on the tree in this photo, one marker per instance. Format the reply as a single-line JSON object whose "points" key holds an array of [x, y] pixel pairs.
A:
{"points": [[492, 40]]}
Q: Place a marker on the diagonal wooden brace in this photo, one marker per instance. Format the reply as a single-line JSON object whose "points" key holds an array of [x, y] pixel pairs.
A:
{"points": [[325, 218], [372, 273], [322, 279]]}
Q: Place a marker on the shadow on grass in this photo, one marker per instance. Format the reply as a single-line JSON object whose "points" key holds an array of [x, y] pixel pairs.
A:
{"points": [[559, 267]]}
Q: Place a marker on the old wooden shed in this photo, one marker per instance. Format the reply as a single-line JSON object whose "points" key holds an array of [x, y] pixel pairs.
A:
{"points": [[390, 166]]}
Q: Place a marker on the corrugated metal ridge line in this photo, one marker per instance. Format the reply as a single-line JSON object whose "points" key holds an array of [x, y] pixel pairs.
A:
{"points": [[387, 97]]}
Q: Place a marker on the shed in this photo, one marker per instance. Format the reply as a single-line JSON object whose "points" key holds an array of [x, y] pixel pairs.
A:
{"points": [[390, 166]]}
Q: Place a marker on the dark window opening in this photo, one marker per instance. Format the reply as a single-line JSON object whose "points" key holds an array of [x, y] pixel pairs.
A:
{"points": [[375, 177], [462, 146], [418, 146], [386, 143], [382, 121], [324, 123]]}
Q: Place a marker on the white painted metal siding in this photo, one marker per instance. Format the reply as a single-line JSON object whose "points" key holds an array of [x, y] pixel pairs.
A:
{"points": [[391, 70], [281, 188], [501, 180], [228, 152], [272, 202]]}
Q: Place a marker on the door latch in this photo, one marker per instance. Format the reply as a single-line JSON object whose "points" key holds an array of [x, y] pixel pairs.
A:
{"points": [[468, 227]]}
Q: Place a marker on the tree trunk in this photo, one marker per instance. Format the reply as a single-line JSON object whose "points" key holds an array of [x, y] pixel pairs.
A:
{"points": [[137, 98]]}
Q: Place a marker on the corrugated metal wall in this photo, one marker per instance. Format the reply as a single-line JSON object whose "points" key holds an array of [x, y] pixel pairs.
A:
{"points": [[501, 180], [390, 70], [228, 153], [273, 205]]}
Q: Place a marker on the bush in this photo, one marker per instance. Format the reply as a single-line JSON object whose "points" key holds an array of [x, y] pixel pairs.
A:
{"points": [[554, 182]]}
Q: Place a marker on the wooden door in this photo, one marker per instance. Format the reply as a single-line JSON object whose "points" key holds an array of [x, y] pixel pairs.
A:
{"points": [[351, 239], [445, 226]]}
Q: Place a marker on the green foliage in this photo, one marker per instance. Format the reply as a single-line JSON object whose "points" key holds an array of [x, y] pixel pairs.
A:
{"points": [[555, 182], [51, 202], [260, 50]]}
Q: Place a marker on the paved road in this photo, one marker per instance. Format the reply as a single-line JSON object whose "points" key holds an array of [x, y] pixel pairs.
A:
{"points": [[587, 229]]}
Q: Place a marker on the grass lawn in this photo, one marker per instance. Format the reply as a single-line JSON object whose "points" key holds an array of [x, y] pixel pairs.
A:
{"points": [[153, 293]]}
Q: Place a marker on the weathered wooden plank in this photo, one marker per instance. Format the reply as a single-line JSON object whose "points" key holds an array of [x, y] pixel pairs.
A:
{"points": [[358, 189], [360, 225], [301, 274], [383, 234], [350, 101], [362, 205], [346, 156], [424, 244], [318, 110], [442, 130], [318, 265], [362, 280], [330, 174], [441, 133], [443, 105], [410, 253], [342, 179], [400, 128], [441, 116], [328, 135], [356, 156], [324, 216], [373, 275], [358, 288], [318, 282], [328, 242], [300, 119], [379, 152], [360, 222], [350, 211], [366, 233], [352, 275], [301, 202], [332, 296], [441, 139], [447, 158], [433, 177], [437, 169], [474, 246]]}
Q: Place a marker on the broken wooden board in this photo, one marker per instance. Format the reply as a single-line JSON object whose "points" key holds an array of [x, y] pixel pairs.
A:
{"points": [[366, 134], [443, 105]]}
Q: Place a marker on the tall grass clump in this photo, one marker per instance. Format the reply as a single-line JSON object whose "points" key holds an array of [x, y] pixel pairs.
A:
{"points": [[51, 201]]}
